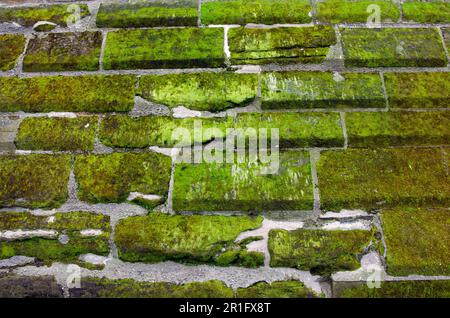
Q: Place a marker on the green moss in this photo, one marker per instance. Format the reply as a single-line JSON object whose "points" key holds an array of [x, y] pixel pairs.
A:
{"points": [[111, 177], [63, 52], [282, 45], [37, 133], [194, 238], [446, 35], [297, 90], [150, 14], [318, 251], [97, 93], [255, 11], [297, 130], [164, 48], [351, 11], [28, 16], [398, 129], [16, 286], [281, 289], [11, 46], [34, 181], [434, 11], [418, 90], [376, 178], [200, 91], [417, 241], [246, 186], [393, 47]]}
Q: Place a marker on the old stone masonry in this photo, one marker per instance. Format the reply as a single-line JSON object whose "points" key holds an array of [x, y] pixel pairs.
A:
{"points": [[95, 201]]}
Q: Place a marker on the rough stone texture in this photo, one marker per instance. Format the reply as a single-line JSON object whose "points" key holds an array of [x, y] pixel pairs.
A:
{"points": [[287, 289], [11, 46], [8, 129], [63, 52], [432, 11], [14, 286]]}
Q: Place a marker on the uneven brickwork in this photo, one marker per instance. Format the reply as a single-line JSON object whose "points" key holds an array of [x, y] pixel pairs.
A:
{"points": [[125, 141]]}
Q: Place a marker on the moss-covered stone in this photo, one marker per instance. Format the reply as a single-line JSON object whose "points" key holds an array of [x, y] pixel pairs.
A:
{"points": [[34, 181], [375, 178], [11, 46], [359, 11], [246, 186], [281, 289], [255, 11], [393, 47], [283, 45], [28, 16], [148, 14], [319, 251], [112, 177], [63, 52], [37, 133], [417, 241], [383, 129], [16, 286], [293, 90], [187, 238], [431, 11], [127, 288], [200, 91], [418, 90], [98, 93], [164, 48], [297, 130], [446, 35]]}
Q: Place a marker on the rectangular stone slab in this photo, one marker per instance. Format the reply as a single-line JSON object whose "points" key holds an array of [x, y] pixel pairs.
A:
{"points": [[393, 47], [431, 11], [11, 46]]}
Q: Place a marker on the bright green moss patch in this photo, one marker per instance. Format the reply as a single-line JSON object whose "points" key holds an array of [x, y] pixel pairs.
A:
{"points": [[34, 181], [16, 286], [200, 91], [319, 251], [148, 14], [63, 52], [140, 132], [375, 178], [187, 238], [37, 133], [281, 289], [99, 93], [293, 90], [28, 16], [418, 90], [351, 11], [434, 11], [164, 48], [397, 129], [283, 45], [111, 177], [417, 241], [255, 11], [246, 186], [297, 130], [11, 46], [393, 47]]}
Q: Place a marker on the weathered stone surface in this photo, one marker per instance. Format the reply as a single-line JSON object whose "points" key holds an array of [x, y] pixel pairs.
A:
{"points": [[375, 178], [164, 48], [283, 45], [15, 286], [34, 181], [8, 129], [148, 14], [418, 90], [11, 46], [281, 289], [446, 35], [245, 186], [393, 47], [291, 90], [186, 238], [96, 93], [351, 11], [417, 241], [431, 11], [61, 134], [63, 52], [319, 251], [112, 177], [383, 129], [255, 11]]}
